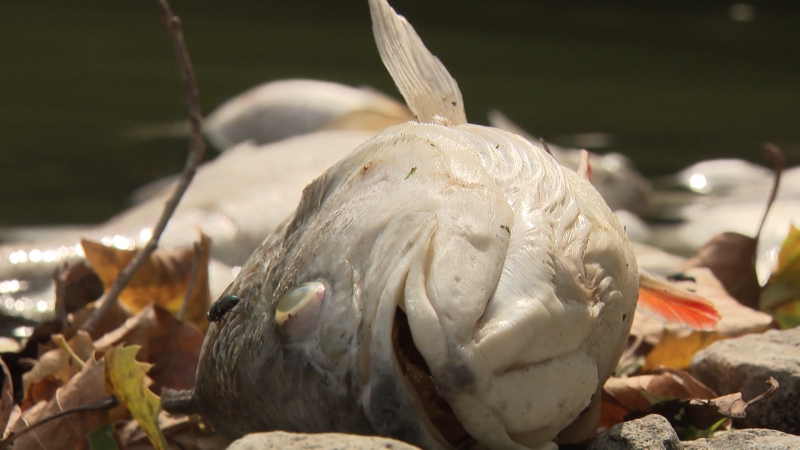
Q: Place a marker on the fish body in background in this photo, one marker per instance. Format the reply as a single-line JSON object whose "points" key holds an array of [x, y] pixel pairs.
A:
{"points": [[613, 175], [445, 284], [280, 109]]}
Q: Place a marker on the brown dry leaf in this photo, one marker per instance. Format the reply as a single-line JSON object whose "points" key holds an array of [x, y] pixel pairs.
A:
{"points": [[53, 369], [76, 286], [115, 318], [173, 347], [162, 279], [732, 259], [674, 346], [69, 431], [624, 398], [702, 414], [639, 392], [6, 397], [732, 405]]}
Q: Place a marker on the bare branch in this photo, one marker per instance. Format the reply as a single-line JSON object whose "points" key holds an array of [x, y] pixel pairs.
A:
{"points": [[197, 148]]}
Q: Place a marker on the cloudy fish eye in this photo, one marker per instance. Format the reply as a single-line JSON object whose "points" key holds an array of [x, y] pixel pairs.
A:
{"points": [[298, 309]]}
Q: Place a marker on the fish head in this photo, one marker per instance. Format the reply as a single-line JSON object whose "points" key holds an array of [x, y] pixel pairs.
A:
{"points": [[439, 285], [445, 284]]}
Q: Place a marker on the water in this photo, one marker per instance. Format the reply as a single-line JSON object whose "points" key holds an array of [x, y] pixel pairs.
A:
{"points": [[85, 86]]}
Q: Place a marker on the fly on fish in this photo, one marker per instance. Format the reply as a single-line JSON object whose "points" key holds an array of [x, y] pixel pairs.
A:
{"points": [[221, 307], [481, 302]]}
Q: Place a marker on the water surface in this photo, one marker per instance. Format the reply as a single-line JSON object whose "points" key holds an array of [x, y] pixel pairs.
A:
{"points": [[85, 86]]}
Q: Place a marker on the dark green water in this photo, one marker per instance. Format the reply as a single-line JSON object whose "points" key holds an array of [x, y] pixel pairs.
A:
{"points": [[671, 82]]}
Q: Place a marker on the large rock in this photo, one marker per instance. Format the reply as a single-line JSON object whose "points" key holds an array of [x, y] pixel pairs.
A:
{"points": [[299, 441], [752, 439], [652, 433], [744, 364]]}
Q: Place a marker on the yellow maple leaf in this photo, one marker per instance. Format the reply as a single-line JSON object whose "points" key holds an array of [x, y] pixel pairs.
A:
{"points": [[125, 378]]}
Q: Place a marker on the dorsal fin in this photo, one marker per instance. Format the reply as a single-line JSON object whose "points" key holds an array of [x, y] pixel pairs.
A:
{"points": [[429, 90]]}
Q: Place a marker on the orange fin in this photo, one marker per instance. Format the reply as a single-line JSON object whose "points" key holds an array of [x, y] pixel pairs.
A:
{"points": [[672, 304]]}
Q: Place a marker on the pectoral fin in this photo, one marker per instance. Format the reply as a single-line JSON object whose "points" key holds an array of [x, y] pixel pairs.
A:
{"points": [[670, 303]]}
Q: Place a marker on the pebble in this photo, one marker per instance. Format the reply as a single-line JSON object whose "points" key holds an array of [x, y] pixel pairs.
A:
{"points": [[299, 441], [744, 364]]}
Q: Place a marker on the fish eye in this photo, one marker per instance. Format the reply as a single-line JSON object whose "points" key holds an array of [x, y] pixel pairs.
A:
{"points": [[298, 309]]}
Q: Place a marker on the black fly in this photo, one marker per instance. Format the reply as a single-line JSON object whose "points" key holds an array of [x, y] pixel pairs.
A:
{"points": [[221, 307]]}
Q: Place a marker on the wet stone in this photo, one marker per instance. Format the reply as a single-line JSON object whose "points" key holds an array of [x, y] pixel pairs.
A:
{"points": [[651, 432], [744, 364], [299, 441], [750, 439]]}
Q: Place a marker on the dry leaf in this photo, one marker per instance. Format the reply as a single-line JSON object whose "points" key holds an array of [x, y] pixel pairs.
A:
{"points": [[173, 347], [53, 369], [114, 318], [125, 378], [632, 395], [700, 413], [676, 351], [637, 393], [76, 286], [732, 259], [68, 431], [162, 279]]}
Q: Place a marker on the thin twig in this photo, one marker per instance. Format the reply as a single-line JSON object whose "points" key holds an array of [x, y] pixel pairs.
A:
{"points": [[775, 155], [197, 148], [192, 281]]}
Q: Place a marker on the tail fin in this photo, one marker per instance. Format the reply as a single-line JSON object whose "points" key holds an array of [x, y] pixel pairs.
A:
{"points": [[429, 90]]}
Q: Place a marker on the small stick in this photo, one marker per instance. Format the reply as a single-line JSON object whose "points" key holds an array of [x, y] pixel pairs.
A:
{"points": [[197, 148], [192, 280], [775, 155]]}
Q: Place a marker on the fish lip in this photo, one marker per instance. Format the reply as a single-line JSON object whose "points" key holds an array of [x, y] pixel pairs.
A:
{"points": [[435, 413]]}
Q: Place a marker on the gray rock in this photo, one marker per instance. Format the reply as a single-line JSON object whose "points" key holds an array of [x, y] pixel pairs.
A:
{"points": [[648, 433], [300, 441], [752, 439], [744, 364]]}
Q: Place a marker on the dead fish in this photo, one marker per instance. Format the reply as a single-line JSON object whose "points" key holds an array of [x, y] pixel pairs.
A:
{"points": [[446, 284], [230, 201], [276, 110]]}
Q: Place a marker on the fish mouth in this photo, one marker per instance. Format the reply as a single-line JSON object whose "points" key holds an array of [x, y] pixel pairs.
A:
{"points": [[414, 368]]}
